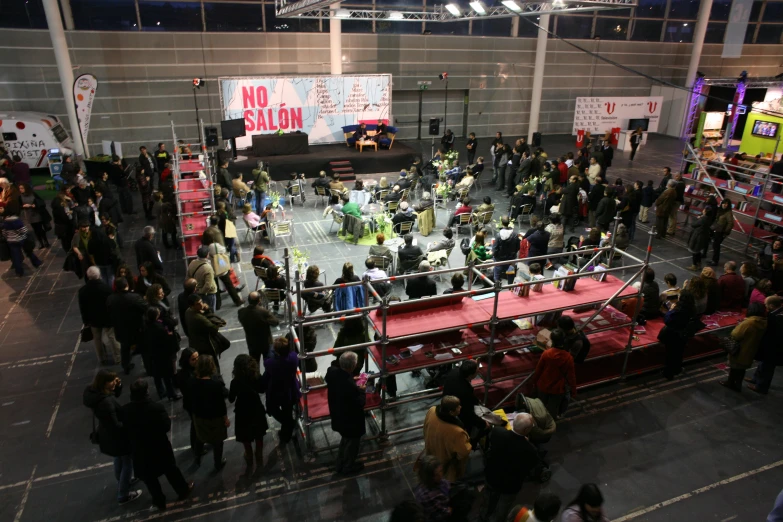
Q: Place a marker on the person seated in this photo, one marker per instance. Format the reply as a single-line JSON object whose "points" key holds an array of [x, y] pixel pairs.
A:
{"points": [[383, 184], [274, 280], [321, 181], [316, 300], [672, 293], [374, 273], [296, 180], [466, 182], [380, 131], [409, 254], [259, 260], [457, 281], [519, 200], [361, 132], [444, 244], [479, 248], [351, 209], [240, 188], [731, 288], [464, 208], [403, 182], [252, 219], [404, 215], [419, 287], [478, 168], [394, 195], [425, 203], [379, 249], [336, 184], [335, 205]]}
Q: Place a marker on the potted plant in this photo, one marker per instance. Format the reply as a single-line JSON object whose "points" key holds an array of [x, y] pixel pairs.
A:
{"points": [[300, 258], [383, 222]]}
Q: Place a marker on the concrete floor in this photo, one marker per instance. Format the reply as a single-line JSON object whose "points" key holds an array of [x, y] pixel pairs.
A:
{"points": [[685, 450]]}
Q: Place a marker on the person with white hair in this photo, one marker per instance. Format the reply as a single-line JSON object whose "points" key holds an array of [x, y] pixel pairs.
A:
{"points": [[425, 203], [146, 251], [404, 215], [510, 458], [346, 409], [95, 315], [423, 285]]}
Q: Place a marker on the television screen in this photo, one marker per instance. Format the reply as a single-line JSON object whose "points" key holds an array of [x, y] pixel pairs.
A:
{"points": [[765, 129], [639, 122], [232, 128]]}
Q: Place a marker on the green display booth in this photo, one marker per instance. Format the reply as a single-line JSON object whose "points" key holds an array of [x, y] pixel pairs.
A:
{"points": [[762, 134]]}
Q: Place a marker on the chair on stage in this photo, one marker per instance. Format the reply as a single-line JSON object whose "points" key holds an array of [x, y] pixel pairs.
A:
{"points": [[386, 141]]}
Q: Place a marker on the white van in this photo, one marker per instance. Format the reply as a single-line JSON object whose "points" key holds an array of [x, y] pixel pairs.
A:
{"points": [[31, 135]]}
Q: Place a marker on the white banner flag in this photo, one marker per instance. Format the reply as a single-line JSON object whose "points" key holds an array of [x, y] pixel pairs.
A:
{"points": [[83, 95], [736, 28]]}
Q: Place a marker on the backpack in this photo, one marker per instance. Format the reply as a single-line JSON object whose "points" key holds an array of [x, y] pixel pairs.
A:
{"points": [[465, 245]]}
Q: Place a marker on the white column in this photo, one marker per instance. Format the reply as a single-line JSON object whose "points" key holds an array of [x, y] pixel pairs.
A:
{"points": [[335, 41], [514, 27], [64, 68], [698, 41], [538, 77], [65, 5]]}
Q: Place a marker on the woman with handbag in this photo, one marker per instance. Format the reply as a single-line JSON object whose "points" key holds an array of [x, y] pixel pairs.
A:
{"points": [[162, 346], [221, 264], [156, 298], [747, 336], [208, 402], [674, 333], [101, 398]]}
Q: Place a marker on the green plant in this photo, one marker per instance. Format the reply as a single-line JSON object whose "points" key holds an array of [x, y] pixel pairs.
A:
{"points": [[443, 190], [274, 198], [382, 222], [300, 258]]}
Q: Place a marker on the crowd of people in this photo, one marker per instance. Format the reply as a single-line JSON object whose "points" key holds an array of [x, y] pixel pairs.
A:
{"points": [[128, 311]]}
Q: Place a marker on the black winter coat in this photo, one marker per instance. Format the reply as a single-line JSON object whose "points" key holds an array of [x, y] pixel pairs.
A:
{"points": [[595, 196], [146, 251], [346, 403], [509, 460], [771, 349], [569, 204], [92, 304], [539, 243], [161, 346], [605, 212], [699, 237], [148, 424], [459, 387], [112, 435], [126, 311]]}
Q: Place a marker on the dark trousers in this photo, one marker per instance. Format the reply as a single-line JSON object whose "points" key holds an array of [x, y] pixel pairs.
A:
{"points": [[552, 402], [735, 378], [40, 233], [763, 376], [661, 223], [125, 353], [696, 258], [17, 257], [174, 241], [165, 387], [346, 455], [175, 478], [126, 200], [259, 201], [495, 506], [633, 151], [217, 453], [284, 414], [471, 155], [195, 443], [673, 359], [232, 291], [717, 239]]}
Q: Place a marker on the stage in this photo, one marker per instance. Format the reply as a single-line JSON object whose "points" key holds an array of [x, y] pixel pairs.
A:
{"points": [[369, 161]]}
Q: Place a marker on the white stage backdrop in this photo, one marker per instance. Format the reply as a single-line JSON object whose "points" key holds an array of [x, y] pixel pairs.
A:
{"points": [[316, 105], [600, 114]]}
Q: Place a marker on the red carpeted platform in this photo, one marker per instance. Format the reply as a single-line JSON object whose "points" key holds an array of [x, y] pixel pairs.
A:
{"points": [[190, 166], [318, 403], [466, 313], [587, 291]]}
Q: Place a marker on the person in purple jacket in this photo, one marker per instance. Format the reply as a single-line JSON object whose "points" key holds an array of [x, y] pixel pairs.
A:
{"points": [[282, 389]]}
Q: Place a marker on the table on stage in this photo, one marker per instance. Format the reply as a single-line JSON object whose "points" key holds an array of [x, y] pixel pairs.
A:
{"points": [[280, 145]]}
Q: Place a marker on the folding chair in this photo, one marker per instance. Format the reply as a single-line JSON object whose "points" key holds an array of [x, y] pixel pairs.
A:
{"points": [[274, 296], [321, 195], [295, 191], [464, 221], [404, 194], [260, 275], [483, 219], [436, 199], [281, 229], [249, 230], [526, 210], [403, 228], [379, 196], [381, 262], [463, 193], [391, 207], [336, 193], [338, 219]]}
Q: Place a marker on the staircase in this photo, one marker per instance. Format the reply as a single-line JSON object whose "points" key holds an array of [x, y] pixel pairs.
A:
{"points": [[343, 168]]}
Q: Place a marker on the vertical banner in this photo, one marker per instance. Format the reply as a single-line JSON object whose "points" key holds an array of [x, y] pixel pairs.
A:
{"points": [[83, 95], [735, 29]]}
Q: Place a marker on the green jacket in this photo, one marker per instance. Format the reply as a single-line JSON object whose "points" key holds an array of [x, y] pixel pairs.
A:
{"points": [[352, 209], [260, 180]]}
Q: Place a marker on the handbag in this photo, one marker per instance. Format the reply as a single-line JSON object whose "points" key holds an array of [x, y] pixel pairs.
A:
{"points": [[219, 342], [86, 334], [94, 432], [730, 345], [221, 264]]}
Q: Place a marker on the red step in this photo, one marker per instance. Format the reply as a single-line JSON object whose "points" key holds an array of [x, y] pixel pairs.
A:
{"points": [[339, 163]]}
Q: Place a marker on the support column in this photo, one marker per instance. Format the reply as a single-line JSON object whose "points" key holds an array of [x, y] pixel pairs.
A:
{"points": [[60, 46], [335, 40], [65, 5], [538, 77], [698, 41], [514, 27]]}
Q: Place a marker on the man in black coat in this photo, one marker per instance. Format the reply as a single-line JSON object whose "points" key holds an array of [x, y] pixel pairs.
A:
{"points": [[148, 424], [188, 288], [594, 198], [457, 383], [148, 164], [257, 322], [606, 210], [146, 251], [126, 312], [608, 152], [346, 409], [95, 314], [506, 247], [106, 204], [770, 352], [569, 204], [419, 287], [509, 459], [409, 255]]}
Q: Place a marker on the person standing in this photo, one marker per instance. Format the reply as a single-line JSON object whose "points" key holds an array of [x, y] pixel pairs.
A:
{"points": [[145, 250], [162, 157], [664, 206], [126, 312], [509, 459], [34, 213], [698, 240], [144, 184], [201, 326], [457, 384], [257, 322], [608, 156], [749, 334], [447, 141], [445, 437], [282, 389], [674, 335], [161, 346], [606, 210], [731, 288], [148, 165], [471, 145], [201, 270], [249, 412], [63, 218], [112, 437], [586, 507], [148, 425], [93, 299], [224, 274], [770, 352], [261, 187], [721, 228], [346, 408], [506, 248], [554, 376], [208, 402], [636, 140]]}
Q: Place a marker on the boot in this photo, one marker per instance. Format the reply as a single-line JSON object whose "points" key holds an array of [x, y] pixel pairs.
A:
{"points": [[694, 268]]}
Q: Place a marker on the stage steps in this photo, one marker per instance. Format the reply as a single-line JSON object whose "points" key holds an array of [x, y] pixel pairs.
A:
{"points": [[343, 168]]}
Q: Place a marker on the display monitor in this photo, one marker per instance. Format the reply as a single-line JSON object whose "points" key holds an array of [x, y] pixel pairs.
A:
{"points": [[765, 129], [232, 128], [635, 123]]}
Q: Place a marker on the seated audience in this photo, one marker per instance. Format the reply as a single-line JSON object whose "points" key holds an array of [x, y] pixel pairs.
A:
{"points": [[457, 282], [379, 249], [418, 287]]}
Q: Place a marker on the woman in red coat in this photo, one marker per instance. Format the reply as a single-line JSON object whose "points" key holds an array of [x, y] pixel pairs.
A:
{"points": [[554, 377]]}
